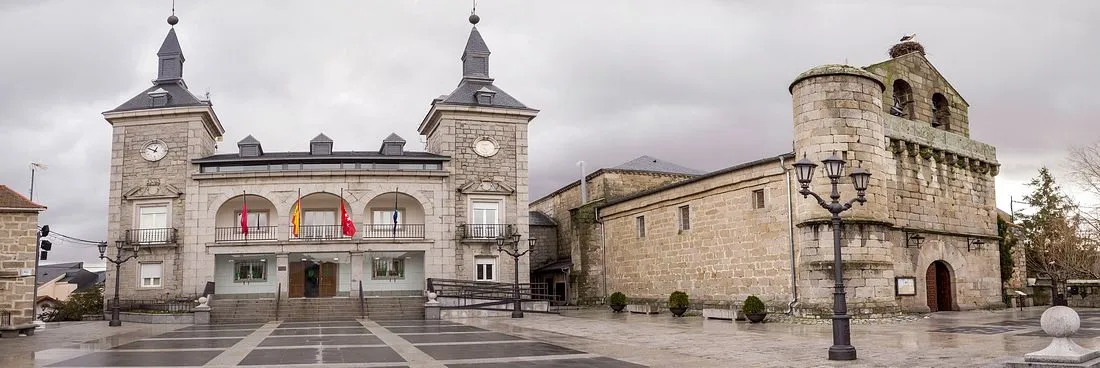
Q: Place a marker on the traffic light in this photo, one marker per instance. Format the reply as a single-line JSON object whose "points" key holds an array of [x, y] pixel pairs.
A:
{"points": [[44, 231], [46, 245]]}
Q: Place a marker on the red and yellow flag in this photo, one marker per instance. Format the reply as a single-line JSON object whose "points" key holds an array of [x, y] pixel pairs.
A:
{"points": [[296, 216]]}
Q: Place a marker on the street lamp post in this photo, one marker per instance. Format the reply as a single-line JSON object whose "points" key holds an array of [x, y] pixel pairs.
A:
{"points": [[517, 309], [842, 348], [118, 261]]}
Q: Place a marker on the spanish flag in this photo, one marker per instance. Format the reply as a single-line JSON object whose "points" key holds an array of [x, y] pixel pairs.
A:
{"points": [[296, 217]]}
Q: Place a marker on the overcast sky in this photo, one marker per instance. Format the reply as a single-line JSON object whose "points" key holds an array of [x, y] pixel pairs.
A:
{"points": [[699, 83]]}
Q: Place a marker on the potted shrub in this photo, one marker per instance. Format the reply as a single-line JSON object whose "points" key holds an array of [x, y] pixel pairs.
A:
{"points": [[754, 309], [678, 303], [617, 301]]}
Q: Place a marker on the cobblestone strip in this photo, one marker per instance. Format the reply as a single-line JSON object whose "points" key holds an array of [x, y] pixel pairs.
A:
{"points": [[415, 357], [236, 353]]}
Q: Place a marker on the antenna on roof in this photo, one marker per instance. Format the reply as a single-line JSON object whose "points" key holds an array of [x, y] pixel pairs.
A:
{"points": [[584, 184]]}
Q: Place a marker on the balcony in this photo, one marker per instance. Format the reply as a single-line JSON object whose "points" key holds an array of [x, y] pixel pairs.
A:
{"points": [[234, 233], [484, 231], [151, 236], [388, 231], [318, 232]]}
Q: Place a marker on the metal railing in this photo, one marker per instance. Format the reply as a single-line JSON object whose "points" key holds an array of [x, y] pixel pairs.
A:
{"points": [[362, 306], [171, 305], [486, 294], [151, 236], [233, 233], [484, 231], [401, 231], [318, 232]]}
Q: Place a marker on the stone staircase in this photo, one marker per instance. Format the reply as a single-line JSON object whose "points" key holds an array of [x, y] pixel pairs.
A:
{"points": [[319, 309], [380, 308], [229, 311]]}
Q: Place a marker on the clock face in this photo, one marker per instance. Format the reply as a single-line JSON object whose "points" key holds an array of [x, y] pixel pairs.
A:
{"points": [[154, 150], [485, 148]]}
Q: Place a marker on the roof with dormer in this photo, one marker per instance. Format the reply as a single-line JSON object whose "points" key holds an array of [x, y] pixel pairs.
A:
{"points": [[169, 82], [476, 79]]}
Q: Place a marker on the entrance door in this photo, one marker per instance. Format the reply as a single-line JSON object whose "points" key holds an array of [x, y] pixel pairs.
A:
{"points": [[327, 280], [938, 282], [297, 288], [312, 279]]}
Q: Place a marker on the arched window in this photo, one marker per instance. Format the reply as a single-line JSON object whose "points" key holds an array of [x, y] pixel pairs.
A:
{"points": [[941, 113], [903, 100]]}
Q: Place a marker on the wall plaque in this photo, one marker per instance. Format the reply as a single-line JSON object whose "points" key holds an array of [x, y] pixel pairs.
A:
{"points": [[905, 286]]}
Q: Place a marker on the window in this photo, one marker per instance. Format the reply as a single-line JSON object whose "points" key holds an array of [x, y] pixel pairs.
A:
{"points": [[941, 112], [486, 268], [255, 218], [381, 217], [250, 270], [758, 198], [485, 220], [685, 218], [150, 274], [318, 224], [903, 100], [152, 224], [640, 220], [386, 268]]}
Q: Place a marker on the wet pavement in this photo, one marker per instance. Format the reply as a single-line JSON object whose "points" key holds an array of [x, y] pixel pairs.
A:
{"points": [[579, 338]]}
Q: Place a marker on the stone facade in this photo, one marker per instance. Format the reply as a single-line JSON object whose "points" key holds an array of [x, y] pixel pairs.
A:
{"points": [[18, 252], [578, 231], [204, 194], [929, 215]]}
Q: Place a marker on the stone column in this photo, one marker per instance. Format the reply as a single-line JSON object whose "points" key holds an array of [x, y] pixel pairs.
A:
{"points": [[282, 271]]}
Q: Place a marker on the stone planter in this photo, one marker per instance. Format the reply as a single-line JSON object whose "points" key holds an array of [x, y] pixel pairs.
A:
{"points": [[677, 311], [642, 308], [722, 313], [756, 317], [618, 307]]}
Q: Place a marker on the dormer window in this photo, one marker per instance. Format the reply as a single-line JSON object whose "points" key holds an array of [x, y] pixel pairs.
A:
{"points": [[320, 145], [941, 112], [484, 96], [158, 98], [393, 145], [249, 147], [903, 100]]}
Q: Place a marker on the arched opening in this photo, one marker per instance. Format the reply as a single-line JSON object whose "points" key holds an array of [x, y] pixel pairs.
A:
{"points": [[941, 112], [319, 218], [940, 294], [382, 222], [903, 100], [261, 223]]}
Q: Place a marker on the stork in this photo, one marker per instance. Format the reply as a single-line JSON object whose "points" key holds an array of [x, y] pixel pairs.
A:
{"points": [[908, 37]]}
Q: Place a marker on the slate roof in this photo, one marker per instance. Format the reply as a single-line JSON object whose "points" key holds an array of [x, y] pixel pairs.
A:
{"points": [[342, 156], [651, 164], [249, 140], [393, 137], [789, 155], [321, 138], [171, 44], [9, 198], [72, 273], [476, 78], [540, 219], [555, 267], [173, 85]]}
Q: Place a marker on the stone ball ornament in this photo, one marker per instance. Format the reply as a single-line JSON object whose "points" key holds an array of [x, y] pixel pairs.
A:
{"points": [[172, 20], [474, 19], [1060, 321]]}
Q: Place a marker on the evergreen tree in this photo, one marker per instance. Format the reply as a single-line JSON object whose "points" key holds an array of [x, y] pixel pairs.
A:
{"points": [[1055, 247]]}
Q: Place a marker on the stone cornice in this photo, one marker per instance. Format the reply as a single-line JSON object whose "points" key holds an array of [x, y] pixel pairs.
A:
{"points": [[907, 137]]}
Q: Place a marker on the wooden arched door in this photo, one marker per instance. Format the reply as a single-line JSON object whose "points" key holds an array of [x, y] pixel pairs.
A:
{"points": [[938, 282]]}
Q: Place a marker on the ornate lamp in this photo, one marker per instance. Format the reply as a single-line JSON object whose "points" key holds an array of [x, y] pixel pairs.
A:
{"points": [[804, 171], [834, 166]]}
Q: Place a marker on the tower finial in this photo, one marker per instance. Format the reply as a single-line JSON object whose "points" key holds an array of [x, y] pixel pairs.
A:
{"points": [[172, 19], [473, 14]]}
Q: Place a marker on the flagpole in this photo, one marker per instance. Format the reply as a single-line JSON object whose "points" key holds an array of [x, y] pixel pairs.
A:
{"points": [[244, 215], [395, 191]]}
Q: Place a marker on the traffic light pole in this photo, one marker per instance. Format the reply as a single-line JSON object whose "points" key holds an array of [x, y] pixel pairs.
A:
{"points": [[37, 255]]}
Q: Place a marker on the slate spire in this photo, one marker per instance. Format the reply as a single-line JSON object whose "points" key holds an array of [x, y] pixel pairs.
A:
{"points": [[171, 58], [475, 58]]}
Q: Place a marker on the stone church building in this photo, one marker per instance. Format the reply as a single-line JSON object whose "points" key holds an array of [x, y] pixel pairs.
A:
{"points": [[925, 240], [334, 220]]}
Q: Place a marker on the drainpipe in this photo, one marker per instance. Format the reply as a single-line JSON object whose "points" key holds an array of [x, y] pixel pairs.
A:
{"points": [[790, 236]]}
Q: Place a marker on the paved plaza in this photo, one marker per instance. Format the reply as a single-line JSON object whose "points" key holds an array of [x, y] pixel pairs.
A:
{"points": [[579, 338]]}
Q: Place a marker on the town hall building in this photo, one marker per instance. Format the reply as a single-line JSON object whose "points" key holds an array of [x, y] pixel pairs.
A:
{"points": [[337, 220]]}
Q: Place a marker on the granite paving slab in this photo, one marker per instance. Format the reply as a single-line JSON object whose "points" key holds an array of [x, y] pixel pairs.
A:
{"points": [[249, 326], [320, 331], [459, 337], [319, 324], [140, 359], [433, 329], [179, 344], [195, 334], [494, 350], [601, 362], [321, 355], [321, 340], [436, 322]]}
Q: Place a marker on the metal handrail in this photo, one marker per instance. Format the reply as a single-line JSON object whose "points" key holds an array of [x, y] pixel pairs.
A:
{"points": [[278, 299], [234, 233], [497, 293], [319, 232], [401, 231], [151, 236], [485, 231], [362, 308]]}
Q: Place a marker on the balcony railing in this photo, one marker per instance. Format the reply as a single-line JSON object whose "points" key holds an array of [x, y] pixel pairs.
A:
{"points": [[403, 231], [233, 233], [151, 236], [318, 232], [484, 231]]}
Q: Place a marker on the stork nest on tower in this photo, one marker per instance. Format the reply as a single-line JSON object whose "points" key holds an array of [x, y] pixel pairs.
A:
{"points": [[905, 48]]}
